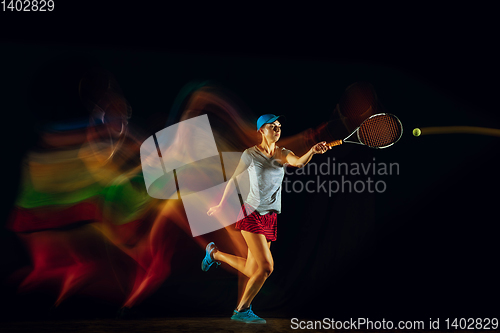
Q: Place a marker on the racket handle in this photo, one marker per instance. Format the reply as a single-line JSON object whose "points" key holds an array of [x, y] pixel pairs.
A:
{"points": [[334, 143]]}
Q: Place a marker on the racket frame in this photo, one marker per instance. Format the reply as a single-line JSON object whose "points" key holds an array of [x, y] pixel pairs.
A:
{"points": [[375, 115]]}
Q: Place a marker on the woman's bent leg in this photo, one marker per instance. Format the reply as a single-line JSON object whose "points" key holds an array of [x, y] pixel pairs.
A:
{"points": [[246, 266]]}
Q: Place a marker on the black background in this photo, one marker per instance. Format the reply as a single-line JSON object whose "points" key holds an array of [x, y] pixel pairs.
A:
{"points": [[430, 248]]}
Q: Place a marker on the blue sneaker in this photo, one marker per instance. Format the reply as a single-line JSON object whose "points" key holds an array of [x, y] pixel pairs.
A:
{"points": [[209, 259], [247, 316]]}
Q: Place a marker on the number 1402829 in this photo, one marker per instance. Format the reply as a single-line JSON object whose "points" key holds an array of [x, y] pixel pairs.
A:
{"points": [[27, 5]]}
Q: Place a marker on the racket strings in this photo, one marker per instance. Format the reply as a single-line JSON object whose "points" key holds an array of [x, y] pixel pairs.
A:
{"points": [[380, 131]]}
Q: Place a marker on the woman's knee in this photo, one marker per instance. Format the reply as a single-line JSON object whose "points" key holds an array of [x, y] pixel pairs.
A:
{"points": [[266, 269]]}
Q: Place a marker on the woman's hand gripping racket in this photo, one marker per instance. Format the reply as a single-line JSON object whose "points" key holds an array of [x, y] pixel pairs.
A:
{"points": [[381, 130]]}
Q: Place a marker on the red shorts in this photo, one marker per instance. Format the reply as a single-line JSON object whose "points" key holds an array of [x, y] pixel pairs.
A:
{"points": [[266, 225]]}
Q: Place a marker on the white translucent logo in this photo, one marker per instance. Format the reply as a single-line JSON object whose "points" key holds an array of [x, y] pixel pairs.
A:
{"points": [[182, 162]]}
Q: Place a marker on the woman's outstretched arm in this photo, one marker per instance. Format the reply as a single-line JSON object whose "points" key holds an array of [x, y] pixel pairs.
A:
{"points": [[300, 162]]}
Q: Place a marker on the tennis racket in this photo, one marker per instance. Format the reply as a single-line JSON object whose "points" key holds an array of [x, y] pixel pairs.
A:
{"points": [[379, 131]]}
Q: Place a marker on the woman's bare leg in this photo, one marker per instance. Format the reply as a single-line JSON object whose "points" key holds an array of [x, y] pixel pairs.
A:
{"points": [[246, 266], [252, 266], [260, 250]]}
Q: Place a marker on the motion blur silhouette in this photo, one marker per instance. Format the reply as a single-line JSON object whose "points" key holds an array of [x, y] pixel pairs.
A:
{"points": [[83, 212]]}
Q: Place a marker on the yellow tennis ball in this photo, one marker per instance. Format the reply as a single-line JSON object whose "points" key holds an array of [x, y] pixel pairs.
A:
{"points": [[417, 132]]}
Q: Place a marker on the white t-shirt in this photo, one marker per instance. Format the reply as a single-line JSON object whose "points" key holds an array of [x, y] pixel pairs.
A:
{"points": [[266, 176]]}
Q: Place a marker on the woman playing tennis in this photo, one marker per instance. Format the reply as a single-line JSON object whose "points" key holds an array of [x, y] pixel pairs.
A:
{"points": [[265, 162]]}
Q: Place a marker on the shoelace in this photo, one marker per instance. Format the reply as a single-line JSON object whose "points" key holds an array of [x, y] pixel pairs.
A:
{"points": [[251, 314]]}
